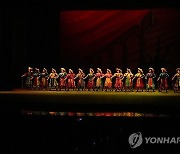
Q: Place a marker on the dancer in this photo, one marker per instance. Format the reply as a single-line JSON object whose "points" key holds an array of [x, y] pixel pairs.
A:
{"points": [[44, 79], [99, 76], [62, 76], [128, 82], [119, 79], [139, 80], [150, 79], [81, 82], [53, 79], [90, 76], [163, 80], [108, 82], [177, 81], [70, 77], [36, 81], [29, 77]]}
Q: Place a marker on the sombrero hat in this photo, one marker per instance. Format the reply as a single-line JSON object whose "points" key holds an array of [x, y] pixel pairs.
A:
{"points": [[163, 69], [108, 70], [140, 70], [70, 70], [63, 69], [91, 70], [151, 69]]}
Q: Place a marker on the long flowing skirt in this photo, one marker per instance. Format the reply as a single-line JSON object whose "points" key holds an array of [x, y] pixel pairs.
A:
{"points": [[28, 82], [118, 83], [128, 83], [62, 82], [99, 82], [139, 83], [108, 83], [81, 83], [36, 82], [150, 84], [163, 84], [53, 83], [90, 84], [71, 83], [177, 83], [44, 82]]}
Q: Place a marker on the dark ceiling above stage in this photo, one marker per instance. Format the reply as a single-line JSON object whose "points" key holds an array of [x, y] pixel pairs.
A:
{"points": [[111, 4]]}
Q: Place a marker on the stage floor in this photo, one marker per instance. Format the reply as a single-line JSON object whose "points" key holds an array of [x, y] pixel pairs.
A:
{"points": [[30, 130], [71, 92], [90, 101]]}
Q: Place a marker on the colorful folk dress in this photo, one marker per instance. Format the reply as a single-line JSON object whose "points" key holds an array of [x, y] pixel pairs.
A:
{"points": [[139, 81], [108, 82], [62, 82], [71, 82], [53, 82], [81, 82], [44, 80], [177, 82], [150, 81], [90, 84], [118, 83], [99, 83], [163, 80], [36, 82], [28, 82], [128, 81]]}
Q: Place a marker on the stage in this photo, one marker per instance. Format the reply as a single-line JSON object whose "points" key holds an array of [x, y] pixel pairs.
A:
{"points": [[94, 134], [90, 101]]}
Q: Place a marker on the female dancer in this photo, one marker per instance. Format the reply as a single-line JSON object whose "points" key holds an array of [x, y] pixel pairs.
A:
{"points": [[29, 77], [139, 80], [119, 79], [99, 76], [53, 79], [163, 80], [150, 79], [62, 76], [70, 77], [177, 82], [36, 82], [90, 76], [128, 82], [44, 79], [80, 83], [108, 82]]}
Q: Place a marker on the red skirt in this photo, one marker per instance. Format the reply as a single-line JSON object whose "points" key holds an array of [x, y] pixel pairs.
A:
{"points": [[150, 82], [36, 82], [90, 84], [44, 82], [139, 83], [164, 83], [118, 83], [62, 82], [71, 83]]}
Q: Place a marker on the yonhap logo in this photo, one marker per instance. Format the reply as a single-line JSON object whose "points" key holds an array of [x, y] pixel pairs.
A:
{"points": [[135, 140]]}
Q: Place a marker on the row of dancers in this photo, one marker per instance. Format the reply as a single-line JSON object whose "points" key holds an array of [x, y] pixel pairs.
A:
{"points": [[123, 82]]}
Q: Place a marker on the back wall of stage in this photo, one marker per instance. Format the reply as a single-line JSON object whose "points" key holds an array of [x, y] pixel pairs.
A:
{"points": [[87, 34]]}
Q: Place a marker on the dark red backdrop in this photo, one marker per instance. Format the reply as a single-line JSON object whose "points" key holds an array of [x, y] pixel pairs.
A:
{"points": [[83, 32], [86, 34]]}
